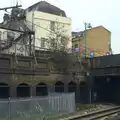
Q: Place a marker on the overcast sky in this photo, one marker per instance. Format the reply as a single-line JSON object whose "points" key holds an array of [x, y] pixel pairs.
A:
{"points": [[97, 12]]}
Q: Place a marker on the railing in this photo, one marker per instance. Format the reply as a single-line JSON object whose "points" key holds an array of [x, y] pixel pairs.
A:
{"points": [[52, 105]]}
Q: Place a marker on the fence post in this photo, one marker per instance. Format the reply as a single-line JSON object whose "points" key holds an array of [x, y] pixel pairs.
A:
{"points": [[9, 112]]}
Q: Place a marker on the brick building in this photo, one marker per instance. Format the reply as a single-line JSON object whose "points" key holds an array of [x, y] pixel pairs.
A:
{"points": [[98, 41]]}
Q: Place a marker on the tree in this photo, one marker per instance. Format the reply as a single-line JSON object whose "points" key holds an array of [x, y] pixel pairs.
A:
{"points": [[57, 39], [57, 43]]}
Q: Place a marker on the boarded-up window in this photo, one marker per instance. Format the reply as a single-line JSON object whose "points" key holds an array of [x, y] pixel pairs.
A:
{"points": [[5, 35], [42, 65], [24, 63], [4, 62]]}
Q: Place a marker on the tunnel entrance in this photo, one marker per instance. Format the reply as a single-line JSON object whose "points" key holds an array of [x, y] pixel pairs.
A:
{"points": [[4, 91], [41, 89], [59, 87], [83, 91], [106, 89], [72, 88], [116, 89], [23, 90]]}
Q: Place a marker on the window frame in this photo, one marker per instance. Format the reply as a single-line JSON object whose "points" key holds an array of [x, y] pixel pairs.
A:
{"points": [[52, 25]]}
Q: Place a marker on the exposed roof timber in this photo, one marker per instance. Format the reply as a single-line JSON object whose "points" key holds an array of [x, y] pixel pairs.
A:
{"points": [[11, 7], [31, 32], [46, 7]]}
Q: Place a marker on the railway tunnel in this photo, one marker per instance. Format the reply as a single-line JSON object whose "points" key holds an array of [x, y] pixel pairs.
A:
{"points": [[106, 89], [4, 91], [105, 71]]}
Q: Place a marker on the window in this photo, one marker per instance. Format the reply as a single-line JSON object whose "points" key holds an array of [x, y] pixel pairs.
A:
{"points": [[52, 43], [4, 62], [52, 26], [76, 45], [42, 42]]}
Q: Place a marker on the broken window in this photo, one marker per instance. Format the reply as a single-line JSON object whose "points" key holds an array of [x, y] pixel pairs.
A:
{"points": [[52, 26], [76, 45]]}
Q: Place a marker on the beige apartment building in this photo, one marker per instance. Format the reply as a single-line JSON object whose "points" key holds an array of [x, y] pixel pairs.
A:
{"points": [[98, 41]]}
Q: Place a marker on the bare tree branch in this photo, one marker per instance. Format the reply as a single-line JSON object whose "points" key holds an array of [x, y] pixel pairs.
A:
{"points": [[57, 41]]}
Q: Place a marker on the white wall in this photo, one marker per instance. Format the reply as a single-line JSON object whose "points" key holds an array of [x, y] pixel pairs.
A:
{"points": [[42, 27], [19, 48]]}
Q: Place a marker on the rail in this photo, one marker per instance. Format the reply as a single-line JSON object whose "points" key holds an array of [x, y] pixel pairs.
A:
{"points": [[96, 115]]}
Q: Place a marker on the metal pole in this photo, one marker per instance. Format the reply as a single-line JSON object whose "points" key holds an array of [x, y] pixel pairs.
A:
{"points": [[9, 109], [90, 96], [85, 40]]}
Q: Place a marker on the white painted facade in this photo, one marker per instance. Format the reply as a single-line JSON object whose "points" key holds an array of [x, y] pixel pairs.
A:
{"points": [[18, 48], [42, 26]]}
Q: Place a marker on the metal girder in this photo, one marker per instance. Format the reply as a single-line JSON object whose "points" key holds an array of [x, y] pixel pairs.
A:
{"points": [[11, 7], [105, 71], [29, 32]]}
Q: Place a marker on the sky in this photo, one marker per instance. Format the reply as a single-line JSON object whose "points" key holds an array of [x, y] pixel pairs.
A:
{"points": [[96, 12]]}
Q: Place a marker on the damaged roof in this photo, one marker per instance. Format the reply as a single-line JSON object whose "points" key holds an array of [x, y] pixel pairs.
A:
{"points": [[47, 8], [77, 34]]}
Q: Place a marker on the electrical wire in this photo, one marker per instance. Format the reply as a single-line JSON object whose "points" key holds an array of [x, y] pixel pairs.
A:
{"points": [[96, 51], [56, 33], [89, 49]]}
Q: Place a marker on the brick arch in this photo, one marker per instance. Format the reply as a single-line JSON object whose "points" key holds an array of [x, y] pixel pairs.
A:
{"points": [[41, 89], [23, 90], [83, 91], [59, 86], [72, 86], [5, 90]]}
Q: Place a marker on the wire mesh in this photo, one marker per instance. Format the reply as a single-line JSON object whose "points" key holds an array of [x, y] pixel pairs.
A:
{"points": [[52, 105]]}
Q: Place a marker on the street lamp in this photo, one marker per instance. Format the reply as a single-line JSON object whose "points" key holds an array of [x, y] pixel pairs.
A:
{"points": [[87, 25]]}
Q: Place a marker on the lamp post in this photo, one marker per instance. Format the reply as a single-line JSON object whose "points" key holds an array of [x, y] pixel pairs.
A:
{"points": [[86, 25]]}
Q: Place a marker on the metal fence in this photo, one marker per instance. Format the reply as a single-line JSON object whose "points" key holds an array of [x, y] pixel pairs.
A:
{"points": [[37, 107]]}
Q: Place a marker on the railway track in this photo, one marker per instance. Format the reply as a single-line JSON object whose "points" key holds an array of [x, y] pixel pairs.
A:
{"points": [[98, 115]]}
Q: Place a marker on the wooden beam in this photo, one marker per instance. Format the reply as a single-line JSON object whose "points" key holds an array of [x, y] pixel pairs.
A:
{"points": [[11, 7], [29, 32]]}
